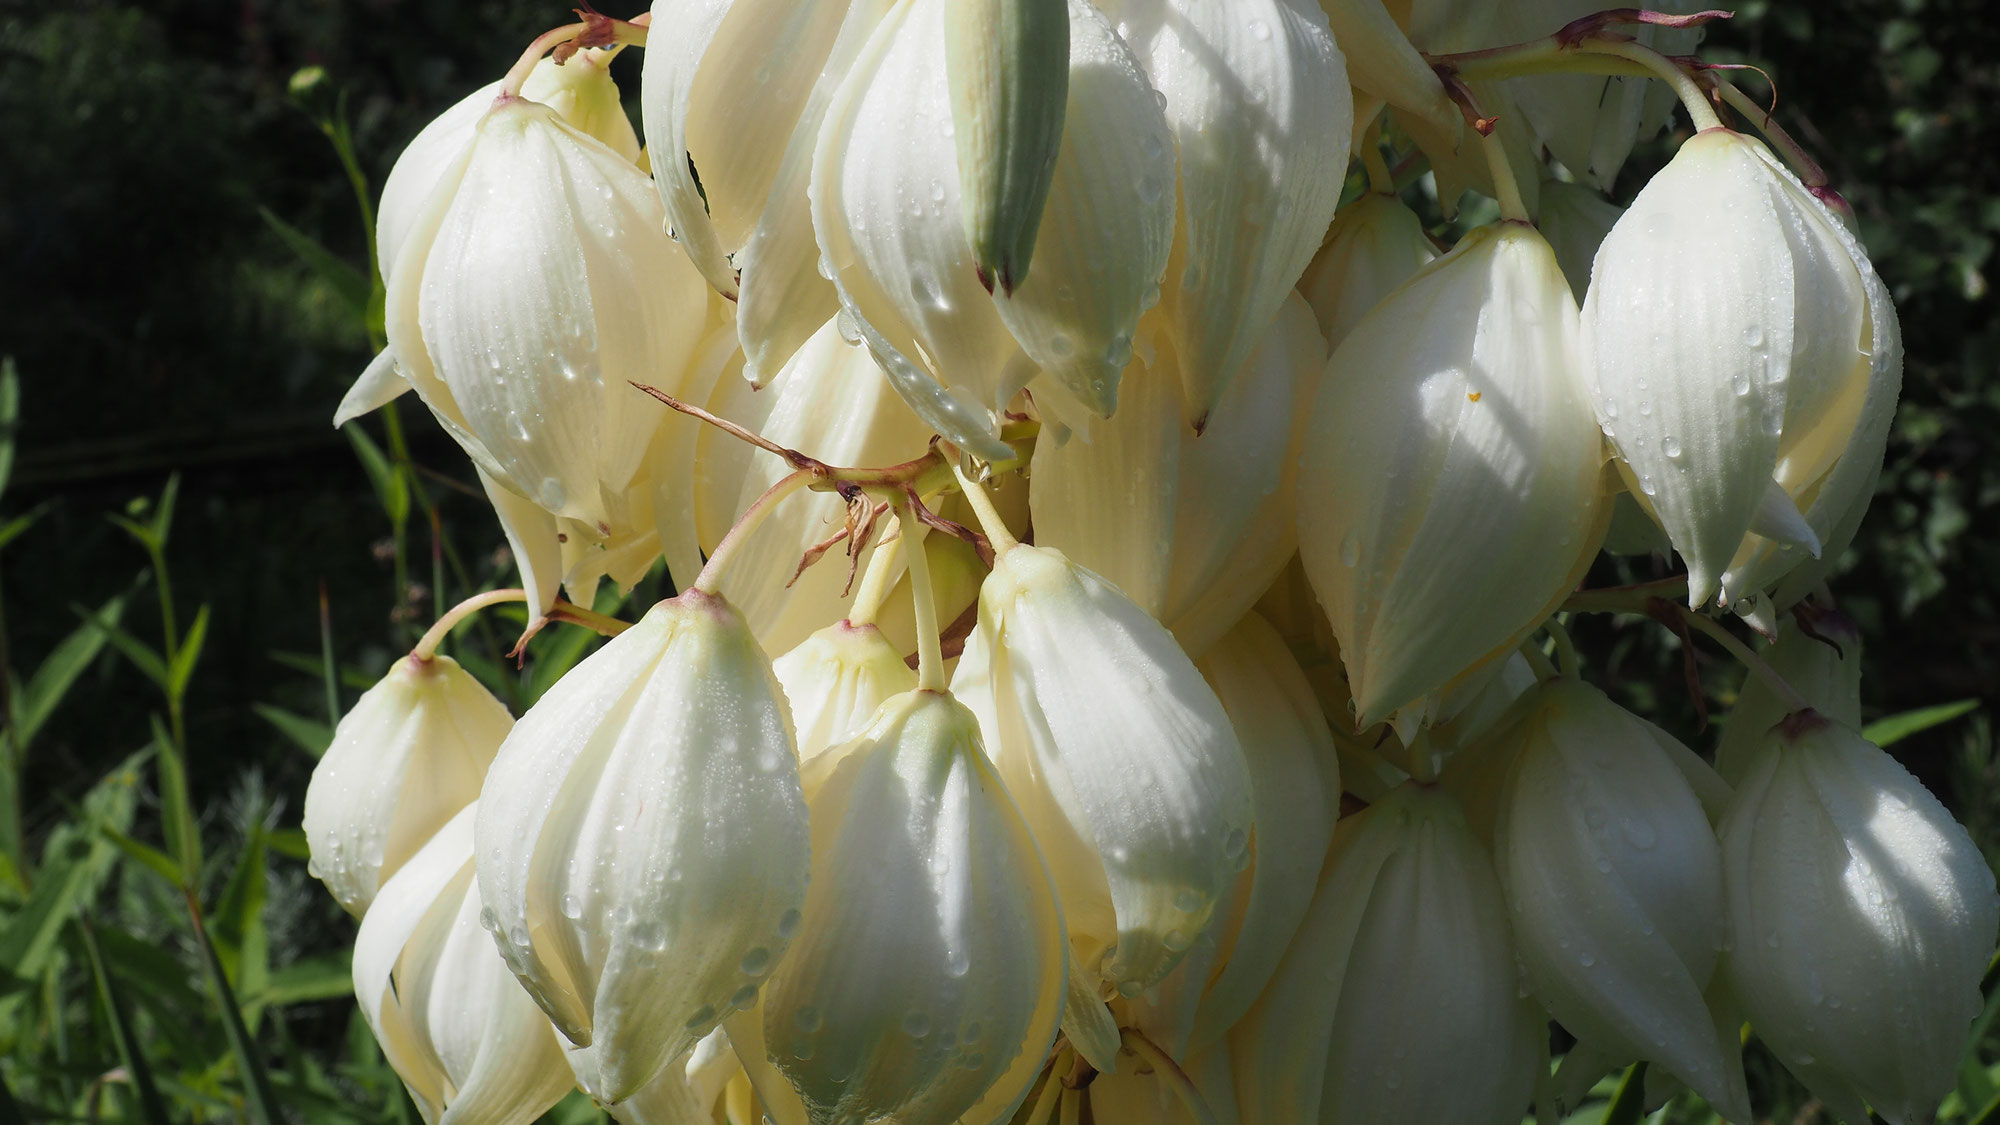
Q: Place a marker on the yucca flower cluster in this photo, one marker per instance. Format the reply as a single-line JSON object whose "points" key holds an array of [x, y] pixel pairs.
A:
{"points": [[1105, 683]]}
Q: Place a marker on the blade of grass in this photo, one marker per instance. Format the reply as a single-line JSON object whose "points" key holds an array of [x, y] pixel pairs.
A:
{"points": [[152, 1109], [260, 1101], [1628, 1105]]}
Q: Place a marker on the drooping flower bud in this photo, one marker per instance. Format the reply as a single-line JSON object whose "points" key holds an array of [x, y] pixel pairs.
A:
{"points": [[536, 282], [832, 402], [1864, 919], [1256, 94], [1742, 360], [412, 753], [1823, 665], [1294, 795], [1453, 473], [1121, 758], [1376, 244], [738, 91], [580, 91], [926, 982], [1614, 881], [1008, 65], [469, 1044], [1192, 527], [890, 220], [836, 679], [643, 841], [1397, 1000]]}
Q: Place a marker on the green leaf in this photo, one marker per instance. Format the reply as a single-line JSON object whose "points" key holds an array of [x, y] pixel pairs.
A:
{"points": [[187, 655], [31, 933], [138, 1071], [237, 923], [142, 655], [1895, 728], [1628, 1105], [177, 819], [290, 843], [59, 672], [339, 276], [309, 735], [163, 512], [391, 490], [10, 417], [330, 977], [12, 529], [152, 858], [260, 1100], [151, 969]]}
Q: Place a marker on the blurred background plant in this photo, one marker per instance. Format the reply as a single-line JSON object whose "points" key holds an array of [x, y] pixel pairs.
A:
{"points": [[198, 574]]}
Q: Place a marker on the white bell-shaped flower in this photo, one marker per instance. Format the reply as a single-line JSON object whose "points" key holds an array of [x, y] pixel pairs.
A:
{"points": [[580, 91], [1824, 666], [926, 982], [1864, 919], [535, 283], [888, 213], [643, 842], [469, 1044], [1256, 94], [1123, 761], [1614, 880], [836, 679], [1192, 527], [1398, 998], [1731, 334], [1450, 485], [740, 87], [829, 401], [411, 753], [1575, 220], [1294, 797], [1376, 244]]}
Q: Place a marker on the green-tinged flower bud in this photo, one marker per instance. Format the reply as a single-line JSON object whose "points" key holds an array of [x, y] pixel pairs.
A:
{"points": [[1256, 94], [1864, 919], [410, 755], [829, 401], [926, 982], [1192, 527], [1008, 66], [1575, 220], [1451, 475], [1614, 880], [643, 841], [741, 87], [580, 91], [1743, 363], [836, 679], [469, 1044], [1397, 1000], [1824, 666], [1122, 759], [1376, 244], [891, 222]]}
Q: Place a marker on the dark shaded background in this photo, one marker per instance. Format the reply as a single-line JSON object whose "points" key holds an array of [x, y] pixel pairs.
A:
{"points": [[159, 323]]}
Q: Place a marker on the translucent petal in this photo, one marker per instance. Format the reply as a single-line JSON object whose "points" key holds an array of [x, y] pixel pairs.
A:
{"points": [[411, 753], [653, 781], [1376, 244], [1456, 470], [1383, 62], [1615, 883], [836, 679], [672, 67], [829, 401], [1864, 916], [931, 954], [1122, 759], [379, 385], [1257, 98]]}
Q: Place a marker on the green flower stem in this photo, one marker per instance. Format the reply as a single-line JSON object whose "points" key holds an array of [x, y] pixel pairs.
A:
{"points": [[989, 516], [930, 654], [427, 645]]}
